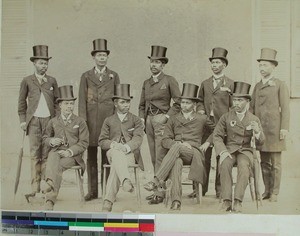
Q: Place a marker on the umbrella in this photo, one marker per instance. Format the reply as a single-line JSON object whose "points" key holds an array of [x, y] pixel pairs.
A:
{"points": [[19, 165]]}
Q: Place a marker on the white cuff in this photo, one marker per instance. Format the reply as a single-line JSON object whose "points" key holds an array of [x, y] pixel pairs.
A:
{"points": [[127, 148], [69, 150], [257, 135], [112, 144], [167, 116]]}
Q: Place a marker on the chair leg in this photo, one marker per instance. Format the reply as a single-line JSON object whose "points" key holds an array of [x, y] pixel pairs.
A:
{"points": [[104, 183], [80, 184], [197, 191]]}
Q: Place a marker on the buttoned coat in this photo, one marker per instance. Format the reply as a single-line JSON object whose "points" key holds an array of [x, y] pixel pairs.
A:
{"points": [[29, 97], [270, 102], [95, 100], [74, 133], [131, 128], [179, 129], [217, 99], [160, 94], [231, 134]]}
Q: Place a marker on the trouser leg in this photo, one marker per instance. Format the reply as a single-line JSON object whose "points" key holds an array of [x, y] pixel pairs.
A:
{"points": [[226, 177], [92, 170], [175, 176], [266, 167], [104, 160], [150, 138], [207, 169], [54, 170], [275, 172], [243, 169]]}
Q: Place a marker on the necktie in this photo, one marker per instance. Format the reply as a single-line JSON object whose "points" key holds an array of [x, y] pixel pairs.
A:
{"points": [[155, 79]]}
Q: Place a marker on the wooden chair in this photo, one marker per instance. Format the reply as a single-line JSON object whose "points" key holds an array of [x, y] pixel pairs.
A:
{"points": [[79, 181], [197, 186]]}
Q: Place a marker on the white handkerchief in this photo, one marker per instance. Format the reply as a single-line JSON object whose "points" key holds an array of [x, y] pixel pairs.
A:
{"points": [[51, 88], [130, 129], [249, 127], [75, 126]]}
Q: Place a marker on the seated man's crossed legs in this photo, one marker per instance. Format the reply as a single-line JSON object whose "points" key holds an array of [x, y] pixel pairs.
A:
{"points": [[243, 174], [119, 175], [170, 166], [55, 167]]}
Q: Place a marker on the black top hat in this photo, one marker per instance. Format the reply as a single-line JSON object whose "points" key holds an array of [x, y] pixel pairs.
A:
{"points": [[241, 89], [219, 53], [100, 45], [122, 91], [40, 52], [66, 93], [159, 53], [190, 91], [268, 54]]}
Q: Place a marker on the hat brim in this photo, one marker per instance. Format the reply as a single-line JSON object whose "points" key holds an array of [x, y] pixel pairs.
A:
{"points": [[65, 99], [191, 98], [273, 61], [122, 97], [93, 52], [165, 59], [241, 95], [44, 58], [223, 58]]}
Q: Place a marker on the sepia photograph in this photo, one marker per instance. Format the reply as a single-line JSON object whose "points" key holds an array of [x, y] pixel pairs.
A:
{"points": [[160, 107]]}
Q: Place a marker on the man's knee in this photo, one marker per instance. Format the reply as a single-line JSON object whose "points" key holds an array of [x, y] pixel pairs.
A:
{"points": [[227, 164]]}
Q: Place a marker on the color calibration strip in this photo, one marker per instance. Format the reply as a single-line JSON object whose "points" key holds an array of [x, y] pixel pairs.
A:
{"points": [[52, 223]]}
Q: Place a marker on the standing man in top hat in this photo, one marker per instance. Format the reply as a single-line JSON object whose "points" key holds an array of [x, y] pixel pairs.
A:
{"points": [[36, 105], [270, 102], [215, 100], [155, 106], [95, 104], [240, 128], [68, 137], [121, 136], [182, 138]]}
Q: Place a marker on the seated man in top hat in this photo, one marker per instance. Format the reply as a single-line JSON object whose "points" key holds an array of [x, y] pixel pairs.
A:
{"points": [[121, 135], [182, 137], [68, 137], [240, 129]]}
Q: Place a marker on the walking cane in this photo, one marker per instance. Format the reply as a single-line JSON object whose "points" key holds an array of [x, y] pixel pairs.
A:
{"points": [[19, 165]]}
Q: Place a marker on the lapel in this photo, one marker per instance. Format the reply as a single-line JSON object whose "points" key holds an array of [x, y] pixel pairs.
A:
{"points": [[220, 84], [180, 117], [210, 84], [35, 81], [92, 77], [246, 120], [266, 84]]}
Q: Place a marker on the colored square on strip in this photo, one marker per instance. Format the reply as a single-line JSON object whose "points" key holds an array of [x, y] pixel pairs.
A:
{"points": [[146, 227], [8, 215]]}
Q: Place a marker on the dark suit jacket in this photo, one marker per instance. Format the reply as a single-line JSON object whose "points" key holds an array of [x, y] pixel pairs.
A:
{"points": [[95, 100], [178, 129], [75, 133], [270, 103], [218, 99], [160, 94], [131, 128], [238, 134], [29, 96]]}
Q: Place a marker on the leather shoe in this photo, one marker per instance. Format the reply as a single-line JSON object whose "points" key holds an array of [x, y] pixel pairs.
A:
{"points": [[148, 198], [156, 200], [127, 186], [226, 206], [273, 198], [150, 186], [49, 205], [107, 206], [90, 197], [176, 205], [46, 187], [266, 196], [192, 195], [237, 206], [28, 196]]}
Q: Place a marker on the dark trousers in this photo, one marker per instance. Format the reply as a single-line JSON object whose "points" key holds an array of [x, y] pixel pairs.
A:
{"points": [[92, 169]]}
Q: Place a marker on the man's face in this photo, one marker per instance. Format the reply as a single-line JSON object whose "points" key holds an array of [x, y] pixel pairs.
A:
{"points": [[156, 66], [187, 105], [100, 58], [240, 103], [266, 68], [122, 105], [217, 66], [41, 66], [66, 107]]}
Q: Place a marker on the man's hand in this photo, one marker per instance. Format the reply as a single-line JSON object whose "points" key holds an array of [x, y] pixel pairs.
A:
{"points": [[143, 121], [163, 119], [223, 155], [119, 147], [64, 153], [204, 146], [283, 133], [23, 126], [187, 145], [255, 127], [55, 142], [202, 112]]}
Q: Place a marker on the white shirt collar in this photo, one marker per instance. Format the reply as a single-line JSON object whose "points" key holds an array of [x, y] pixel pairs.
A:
{"points": [[264, 80], [66, 118], [218, 76], [100, 71], [187, 115], [121, 116], [40, 77]]}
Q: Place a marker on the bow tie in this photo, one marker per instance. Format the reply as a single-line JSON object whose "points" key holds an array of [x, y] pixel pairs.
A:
{"points": [[67, 121]]}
